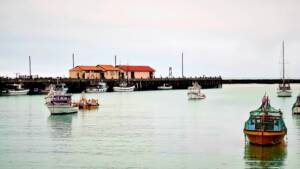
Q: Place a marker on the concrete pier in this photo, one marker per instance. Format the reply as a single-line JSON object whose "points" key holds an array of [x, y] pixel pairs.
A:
{"points": [[79, 85]]}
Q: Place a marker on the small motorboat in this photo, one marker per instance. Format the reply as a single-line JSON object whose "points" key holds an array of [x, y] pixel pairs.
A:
{"points": [[194, 92], [99, 88], [35, 91], [265, 125], [165, 86], [124, 87], [61, 104], [296, 106], [15, 90], [85, 103]]}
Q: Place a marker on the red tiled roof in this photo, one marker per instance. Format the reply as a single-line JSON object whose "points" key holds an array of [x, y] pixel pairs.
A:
{"points": [[136, 68], [78, 68], [108, 67]]}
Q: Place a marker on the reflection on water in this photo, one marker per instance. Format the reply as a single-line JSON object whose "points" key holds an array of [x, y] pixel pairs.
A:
{"points": [[296, 118], [61, 125], [265, 156]]}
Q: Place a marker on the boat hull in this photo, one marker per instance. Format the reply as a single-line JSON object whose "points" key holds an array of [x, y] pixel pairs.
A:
{"points": [[192, 96], [164, 87], [96, 90], [88, 107], [62, 109], [296, 110], [284, 93], [265, 138], [16, 92], [123, 89]]}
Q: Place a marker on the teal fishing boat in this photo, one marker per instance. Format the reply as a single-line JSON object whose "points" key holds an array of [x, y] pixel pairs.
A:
{"points": [[265, 125]]}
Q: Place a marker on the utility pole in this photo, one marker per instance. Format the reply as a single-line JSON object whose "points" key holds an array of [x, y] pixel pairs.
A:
{"points": [[115, 60], [73, 60], [182, 64], [170, 72], [30, 67]]}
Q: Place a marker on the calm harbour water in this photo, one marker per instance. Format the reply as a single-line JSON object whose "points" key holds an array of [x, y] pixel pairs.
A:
{"points": [[152, 129]]}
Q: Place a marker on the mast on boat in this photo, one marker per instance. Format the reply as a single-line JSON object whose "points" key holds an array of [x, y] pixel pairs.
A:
{"points": [[283, 68]]}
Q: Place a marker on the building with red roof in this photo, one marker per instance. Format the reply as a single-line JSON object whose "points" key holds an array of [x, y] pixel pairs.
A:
{"points": [[111, 72], [136, 72], [85, 72]]}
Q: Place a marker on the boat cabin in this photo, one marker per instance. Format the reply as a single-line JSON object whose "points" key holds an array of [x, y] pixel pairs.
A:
{"points": [[61, 99], [265, 120], [284, 86]]}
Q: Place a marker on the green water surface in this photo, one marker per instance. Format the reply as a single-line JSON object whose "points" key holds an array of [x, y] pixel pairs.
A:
{"points": [[151, 129]]}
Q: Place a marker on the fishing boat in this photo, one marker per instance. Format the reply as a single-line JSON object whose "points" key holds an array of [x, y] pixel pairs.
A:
{"points": [[296, 106], [194, 92], [265, 125], [124, 87], [284, 89], [99, 88], [15, 90], [165, 86], [54, 90], [61, 104], [85, 103]]}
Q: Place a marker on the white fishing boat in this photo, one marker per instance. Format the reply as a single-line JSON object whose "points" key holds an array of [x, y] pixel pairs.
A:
{"points": [[296, 106], [16, 90], [284, 89], [165, 86], [61, 104], [194, 92], [99, 88], [55, 90], [124, 87]]}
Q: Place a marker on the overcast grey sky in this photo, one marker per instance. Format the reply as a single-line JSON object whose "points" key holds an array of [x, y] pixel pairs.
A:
{"points": [[231, 38]]}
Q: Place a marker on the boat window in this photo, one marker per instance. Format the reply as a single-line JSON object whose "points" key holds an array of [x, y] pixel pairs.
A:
{"points": [[269, 124], [257, 124]]}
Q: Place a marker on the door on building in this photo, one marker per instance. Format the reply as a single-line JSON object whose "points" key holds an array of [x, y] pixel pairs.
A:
{"points": [[121, 75], [102, 75], [151, 75], [132, 75]]}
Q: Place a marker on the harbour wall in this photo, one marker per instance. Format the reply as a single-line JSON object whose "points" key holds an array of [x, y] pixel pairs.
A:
{"points": [[79, 85], [258, 81]]}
